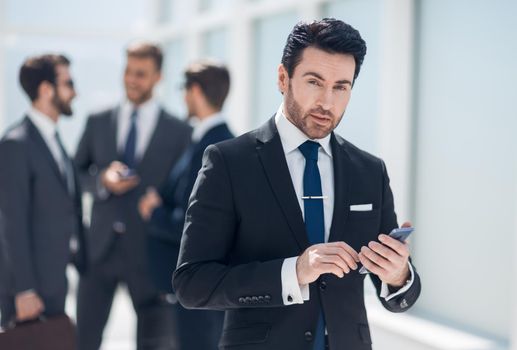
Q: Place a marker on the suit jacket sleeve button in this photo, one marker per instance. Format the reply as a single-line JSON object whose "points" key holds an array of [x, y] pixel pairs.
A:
{"points": [[323, 285], [241, 300], [308, 336], [268, 298]]}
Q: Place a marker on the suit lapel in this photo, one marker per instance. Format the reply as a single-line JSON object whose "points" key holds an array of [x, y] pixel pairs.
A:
{"points": [[42, 145], [341, 162], [271, 155], [112, 134]]}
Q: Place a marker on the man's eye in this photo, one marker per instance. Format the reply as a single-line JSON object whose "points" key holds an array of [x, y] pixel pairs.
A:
{"points": [[341, 87], [314, 82]]}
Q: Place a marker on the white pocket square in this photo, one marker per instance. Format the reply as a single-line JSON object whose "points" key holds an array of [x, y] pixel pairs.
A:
{"points": [[361, 207]]}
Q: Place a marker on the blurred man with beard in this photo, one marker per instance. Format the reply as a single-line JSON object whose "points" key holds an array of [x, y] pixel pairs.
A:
{"points": [[123, 151], [39, 198]]}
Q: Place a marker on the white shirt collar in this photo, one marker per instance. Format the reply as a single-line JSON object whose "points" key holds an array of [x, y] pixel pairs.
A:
{"points": [[292, 137], [149, 107], [46, 126], [201, 127]]}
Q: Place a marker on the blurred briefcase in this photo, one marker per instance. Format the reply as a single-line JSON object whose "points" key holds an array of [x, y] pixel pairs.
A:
{"points": [[53, 333]]}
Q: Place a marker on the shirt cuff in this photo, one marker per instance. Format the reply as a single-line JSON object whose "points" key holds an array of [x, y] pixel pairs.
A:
{"points": [[292, 292], [385, 293]]}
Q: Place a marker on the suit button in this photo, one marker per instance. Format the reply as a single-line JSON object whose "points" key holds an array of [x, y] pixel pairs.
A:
{"points": [[261, 299], [254, 300], [267, 297], [247, 300], [308, 336], [241, 300], [323, 285]]}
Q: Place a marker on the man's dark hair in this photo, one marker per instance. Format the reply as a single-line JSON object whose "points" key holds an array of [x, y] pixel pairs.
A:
{"points": [[142, 49], [330, 35], [212, 78], [35, 70]]}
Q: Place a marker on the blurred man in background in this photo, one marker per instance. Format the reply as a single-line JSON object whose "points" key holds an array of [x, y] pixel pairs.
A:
{"points": [[39, 197], [123, 151], [206, 87]]}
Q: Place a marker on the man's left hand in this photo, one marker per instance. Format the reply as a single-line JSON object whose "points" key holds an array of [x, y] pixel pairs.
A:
{"points": [[388, 260], [150, 201]]}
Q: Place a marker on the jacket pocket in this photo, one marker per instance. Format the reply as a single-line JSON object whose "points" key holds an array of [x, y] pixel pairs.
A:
{"points": [[251, 334]]}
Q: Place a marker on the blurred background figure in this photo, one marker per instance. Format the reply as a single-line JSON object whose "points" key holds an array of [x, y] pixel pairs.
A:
{"points": [[39, 197], [206, 87], [123, 151]]}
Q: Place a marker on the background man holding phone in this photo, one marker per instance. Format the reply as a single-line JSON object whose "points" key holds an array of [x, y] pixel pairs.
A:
{"points": [[123, 151]]}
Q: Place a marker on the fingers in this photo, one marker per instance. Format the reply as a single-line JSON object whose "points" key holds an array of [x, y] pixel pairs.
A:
{"points": [[407, 224], [401, 248], [336, 258]]}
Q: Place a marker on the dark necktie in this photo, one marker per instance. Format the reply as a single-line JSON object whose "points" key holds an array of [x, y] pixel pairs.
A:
{"points": [[68, 170], [130, 149], [314, 219]]}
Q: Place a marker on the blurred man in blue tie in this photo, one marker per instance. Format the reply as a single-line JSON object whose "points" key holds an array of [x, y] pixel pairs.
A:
{"points": [[123, 151], [206, 87], [281, 217], [39, 198]]}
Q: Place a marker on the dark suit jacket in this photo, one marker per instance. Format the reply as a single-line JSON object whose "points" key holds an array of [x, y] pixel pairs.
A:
{"points": [[40, 216], [96, 150], [244, 220], [166, 225]]}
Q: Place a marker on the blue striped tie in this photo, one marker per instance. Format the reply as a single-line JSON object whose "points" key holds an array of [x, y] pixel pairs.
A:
{"points": [[314, 219]]}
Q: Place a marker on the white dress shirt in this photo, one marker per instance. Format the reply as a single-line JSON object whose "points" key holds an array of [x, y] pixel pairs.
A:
{"points": [[48, 129], [292, 137], [148, 113], [202, 126]]}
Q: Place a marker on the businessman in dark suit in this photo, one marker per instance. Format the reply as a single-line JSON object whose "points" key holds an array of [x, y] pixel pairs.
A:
{"points": [[39, 198], [123, 151], [206, 87], [280, 218]]}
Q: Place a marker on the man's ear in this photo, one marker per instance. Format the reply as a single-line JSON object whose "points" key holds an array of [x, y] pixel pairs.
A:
{"points": [[283, 79], [46, 90]]}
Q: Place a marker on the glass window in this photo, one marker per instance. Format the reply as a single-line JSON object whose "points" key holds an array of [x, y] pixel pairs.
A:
{"points": [[359, 124], [175, 12], [174, 66], [270, 35], [466, 175], [215, 5], [214, 44], [77, 14]]}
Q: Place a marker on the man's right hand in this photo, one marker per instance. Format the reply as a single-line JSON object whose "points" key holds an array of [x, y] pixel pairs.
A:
{"points": [[334, 257], [113, 179], [28, 306]]}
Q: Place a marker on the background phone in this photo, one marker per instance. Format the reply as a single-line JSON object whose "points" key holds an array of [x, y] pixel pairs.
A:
{"points": [[126, 173]]}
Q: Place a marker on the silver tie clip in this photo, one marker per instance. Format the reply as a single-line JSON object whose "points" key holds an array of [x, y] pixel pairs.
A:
{"points": [[314, 197]]}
